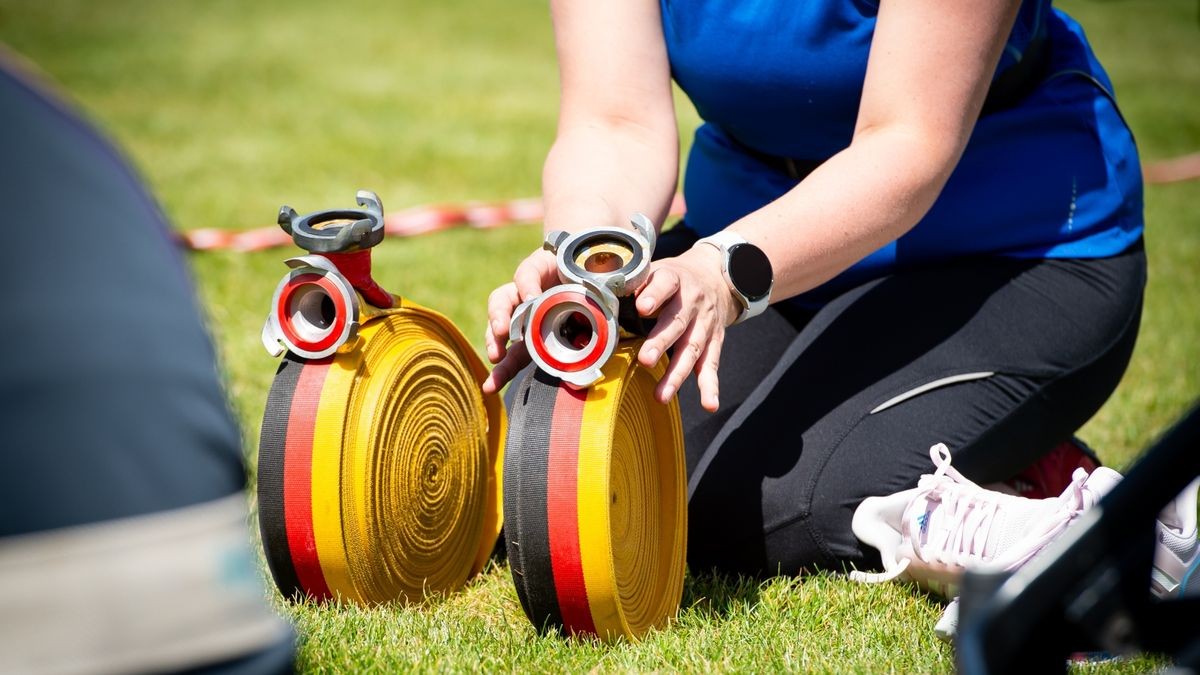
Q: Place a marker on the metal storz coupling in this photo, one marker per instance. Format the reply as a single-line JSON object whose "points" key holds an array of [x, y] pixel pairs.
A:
{"points": [[571, 329], [316, 309]]}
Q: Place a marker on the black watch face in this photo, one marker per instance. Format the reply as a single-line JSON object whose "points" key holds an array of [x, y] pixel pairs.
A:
{"points": [[750, 270]]}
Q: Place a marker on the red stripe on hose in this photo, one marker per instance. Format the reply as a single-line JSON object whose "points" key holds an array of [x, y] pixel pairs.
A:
{"points": [[562, 511], [297, 479]]}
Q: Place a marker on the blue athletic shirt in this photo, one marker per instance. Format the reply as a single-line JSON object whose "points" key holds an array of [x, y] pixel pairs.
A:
{"points": [[1054, 174]]}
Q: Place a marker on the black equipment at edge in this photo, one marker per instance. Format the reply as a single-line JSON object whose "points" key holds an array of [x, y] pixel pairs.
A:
{"points": [[1090, 590]]}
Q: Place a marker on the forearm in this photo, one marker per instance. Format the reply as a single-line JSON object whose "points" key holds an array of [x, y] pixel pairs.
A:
{"points": [[859, 200], [598, 173], [927, 77]]}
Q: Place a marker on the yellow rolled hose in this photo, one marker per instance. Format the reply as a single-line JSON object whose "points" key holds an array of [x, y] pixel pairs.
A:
{"points": [[379, 465], [596, 501]]}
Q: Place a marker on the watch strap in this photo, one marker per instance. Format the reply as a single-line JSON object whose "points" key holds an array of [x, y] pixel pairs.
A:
{"points": [[724, 241]]}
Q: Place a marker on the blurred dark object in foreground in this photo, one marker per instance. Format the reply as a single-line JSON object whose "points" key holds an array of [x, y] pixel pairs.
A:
{"points": [[1089, 591], [123, 522]]}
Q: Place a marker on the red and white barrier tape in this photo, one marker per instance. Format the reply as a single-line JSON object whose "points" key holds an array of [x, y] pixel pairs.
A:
{"points": [[1174, 170], [408, 223]]}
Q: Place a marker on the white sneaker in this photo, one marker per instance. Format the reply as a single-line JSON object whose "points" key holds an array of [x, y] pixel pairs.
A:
{"points": [[1176, 558], [933, 532]]}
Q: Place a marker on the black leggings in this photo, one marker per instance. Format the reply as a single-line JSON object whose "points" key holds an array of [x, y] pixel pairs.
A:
{"points": [[999, 358]]}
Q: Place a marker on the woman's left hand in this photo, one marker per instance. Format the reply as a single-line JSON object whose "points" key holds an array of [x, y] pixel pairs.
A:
{"points": [[694, 306]]}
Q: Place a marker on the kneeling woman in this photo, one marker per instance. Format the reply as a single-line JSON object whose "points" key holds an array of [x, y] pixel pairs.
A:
{"points": [[948, 201]]}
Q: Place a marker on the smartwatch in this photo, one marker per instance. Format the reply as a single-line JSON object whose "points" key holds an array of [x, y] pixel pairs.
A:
{"points": [[746, 269]]}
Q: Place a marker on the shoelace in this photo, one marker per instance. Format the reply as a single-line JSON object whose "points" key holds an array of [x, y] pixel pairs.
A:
{"points": [[965, 517]]}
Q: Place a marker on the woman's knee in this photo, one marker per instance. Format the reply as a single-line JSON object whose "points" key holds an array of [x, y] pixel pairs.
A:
{"points": [[786, 532], [725, 524], [819, 538]]}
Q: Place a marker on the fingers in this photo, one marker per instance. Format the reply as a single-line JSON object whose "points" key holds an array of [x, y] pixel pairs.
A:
{"points": [[687, 352], [512, 363], [662, 285], [500, 307], [534, 274], [675, 318], [697, 339], [706, 372], [699, 352], [493, 346], [685, 296], [661, 295]]}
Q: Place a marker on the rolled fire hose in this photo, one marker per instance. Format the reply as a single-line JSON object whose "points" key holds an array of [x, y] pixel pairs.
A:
{"points": [[594, 478], [379, 457]]}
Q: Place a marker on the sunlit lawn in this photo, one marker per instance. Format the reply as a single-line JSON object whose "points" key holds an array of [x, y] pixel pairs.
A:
{"points": [[233, 108]]}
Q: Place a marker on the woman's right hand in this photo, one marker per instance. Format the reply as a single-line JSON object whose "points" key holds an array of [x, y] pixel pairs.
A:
{"points": [[536, 273]]}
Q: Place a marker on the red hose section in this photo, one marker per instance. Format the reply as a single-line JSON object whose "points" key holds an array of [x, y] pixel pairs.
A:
{"points": [[297, 479], [407, 223], [562, 511], [356, 267]]}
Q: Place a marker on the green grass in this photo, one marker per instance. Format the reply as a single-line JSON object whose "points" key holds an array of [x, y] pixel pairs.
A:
{"points": [[233, 108]]}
